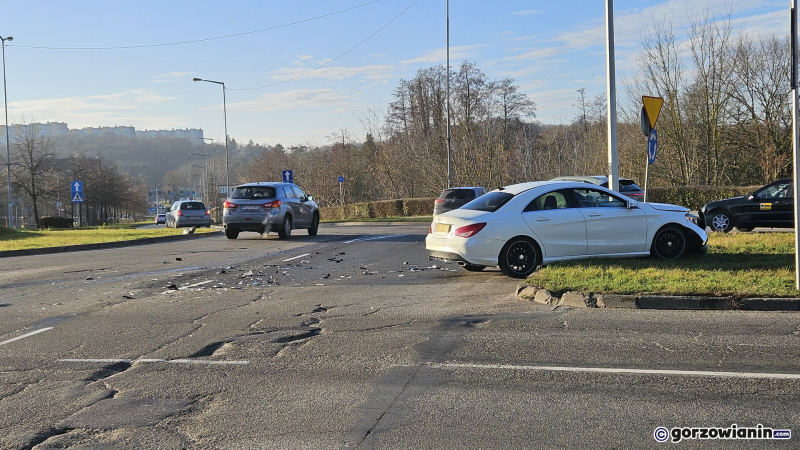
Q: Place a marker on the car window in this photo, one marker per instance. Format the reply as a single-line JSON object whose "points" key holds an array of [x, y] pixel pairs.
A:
{"points": [[457, 194], [298, 193], [550, 200], [778, 190], [490, 202], [253, 192], [628, 186], [192, 206], [592, 198]]}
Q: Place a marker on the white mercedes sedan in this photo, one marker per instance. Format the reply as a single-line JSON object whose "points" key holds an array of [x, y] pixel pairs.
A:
{"points": [[524, 226]]}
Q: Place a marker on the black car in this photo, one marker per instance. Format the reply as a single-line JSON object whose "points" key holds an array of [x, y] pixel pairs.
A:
{"points": [[455, 198], [770, 206]]}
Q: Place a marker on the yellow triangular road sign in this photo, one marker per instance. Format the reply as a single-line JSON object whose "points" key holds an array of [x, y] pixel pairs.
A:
{"points": [[652, 106]]}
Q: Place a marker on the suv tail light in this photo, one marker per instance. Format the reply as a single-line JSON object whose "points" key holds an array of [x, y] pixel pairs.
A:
{"points": [[438, 200], [273, 204], [469, 230], [229, 205], [208, 213], [180, 213]]}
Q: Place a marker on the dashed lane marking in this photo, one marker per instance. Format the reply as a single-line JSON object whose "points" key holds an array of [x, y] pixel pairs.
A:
{"points": [[42, 330], [694, 373], [296, 257], [150, 360], [374, 238]]}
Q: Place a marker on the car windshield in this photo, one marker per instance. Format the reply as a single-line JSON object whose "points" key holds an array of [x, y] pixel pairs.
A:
{"points": [[192, 206], [456, 194], [253, 192], [490, 202]]}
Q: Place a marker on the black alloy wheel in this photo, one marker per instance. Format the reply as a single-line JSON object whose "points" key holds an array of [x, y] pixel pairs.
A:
{"points": [[231, 233], [312, 231], [286, 230], [669, 243], [519, 257]]}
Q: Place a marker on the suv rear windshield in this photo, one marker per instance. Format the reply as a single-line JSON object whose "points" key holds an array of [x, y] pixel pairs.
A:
{"points": [[192, 206], [490, 202], [457, 194], [253, 192]]}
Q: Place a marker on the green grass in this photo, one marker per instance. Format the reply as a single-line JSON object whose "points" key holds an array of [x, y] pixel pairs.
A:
{"points": [[30, 239], [737, 264]]}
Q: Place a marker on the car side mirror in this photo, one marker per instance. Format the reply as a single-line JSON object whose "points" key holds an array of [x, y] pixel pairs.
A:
{"points": [[751, 197], [633, 204], [310, 198]]}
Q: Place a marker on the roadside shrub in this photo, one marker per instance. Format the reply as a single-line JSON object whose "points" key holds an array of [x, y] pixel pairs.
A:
{"points": [[358, 211], [388, 208], [331, 213], [695, 197], [55, 222], [418, 206]]}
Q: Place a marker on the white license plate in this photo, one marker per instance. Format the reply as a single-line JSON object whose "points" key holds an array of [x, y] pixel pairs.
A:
{"points": [[442, 228], [251, 208]]}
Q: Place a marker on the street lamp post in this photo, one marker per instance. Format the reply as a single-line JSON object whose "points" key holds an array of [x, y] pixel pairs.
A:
{"points": [[205, 171], [225, 118], [8, 147]]}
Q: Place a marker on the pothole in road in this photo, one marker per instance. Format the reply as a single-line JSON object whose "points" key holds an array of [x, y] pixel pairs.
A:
{"points": [[109, 371], [298, 337]]}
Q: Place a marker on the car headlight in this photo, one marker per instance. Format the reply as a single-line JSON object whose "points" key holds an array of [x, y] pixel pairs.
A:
{"points": [[693, 218]]}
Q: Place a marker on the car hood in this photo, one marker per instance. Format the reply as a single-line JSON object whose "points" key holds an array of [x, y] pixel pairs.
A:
{"points": [[728, 201], [668, 207]]}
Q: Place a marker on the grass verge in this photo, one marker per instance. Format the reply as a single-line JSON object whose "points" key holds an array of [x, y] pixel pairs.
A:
{"points": [[419, 219], [30, 239], [737, 264]]}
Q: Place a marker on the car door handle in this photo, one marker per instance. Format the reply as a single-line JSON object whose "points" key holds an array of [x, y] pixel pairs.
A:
{"points": [[542, 219], [595, 215]]}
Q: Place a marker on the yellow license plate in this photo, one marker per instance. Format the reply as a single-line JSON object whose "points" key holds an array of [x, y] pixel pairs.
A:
{"points": [[442, 228]]}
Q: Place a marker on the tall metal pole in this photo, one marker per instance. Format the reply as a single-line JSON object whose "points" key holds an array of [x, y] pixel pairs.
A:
{"points": [[225, 118], [449, 149], [795, 144], [611, 89], [8, 146]]}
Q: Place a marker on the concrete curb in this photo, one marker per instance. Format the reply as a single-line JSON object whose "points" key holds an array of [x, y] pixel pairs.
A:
{"points": [[103, 245], [664, 302]]}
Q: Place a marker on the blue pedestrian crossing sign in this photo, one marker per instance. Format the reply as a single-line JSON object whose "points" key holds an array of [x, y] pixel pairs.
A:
{"points": [[76, 191], [341, 179], [286, 175]]}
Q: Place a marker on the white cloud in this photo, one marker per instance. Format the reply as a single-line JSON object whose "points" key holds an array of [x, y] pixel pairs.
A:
{"points": [[371, 72], [528, 12], [294, 100], [439, 55], [111, 109], [171, 77]]}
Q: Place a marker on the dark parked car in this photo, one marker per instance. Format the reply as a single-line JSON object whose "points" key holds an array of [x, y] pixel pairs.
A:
{"points": [[189, 213], [770, 206], [627, 187], [455, 198], [269, 206]]}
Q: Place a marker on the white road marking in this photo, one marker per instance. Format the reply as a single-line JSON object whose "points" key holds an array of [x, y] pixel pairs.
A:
{"points": [[149, 360], [694, 373], [374, 238], [26, 335], [296, 257], [195, 285]]}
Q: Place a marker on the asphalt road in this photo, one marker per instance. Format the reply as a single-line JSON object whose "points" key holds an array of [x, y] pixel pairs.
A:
{"points": [[352, 339]]}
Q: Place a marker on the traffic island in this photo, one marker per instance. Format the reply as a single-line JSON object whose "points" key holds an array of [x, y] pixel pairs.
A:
{"points": [[665, 302]]}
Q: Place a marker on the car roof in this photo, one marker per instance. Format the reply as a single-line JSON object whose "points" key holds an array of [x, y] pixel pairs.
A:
{"points": [[464, 187]]}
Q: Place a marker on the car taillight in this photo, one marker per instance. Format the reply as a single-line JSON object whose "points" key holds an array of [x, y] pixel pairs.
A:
{"points": [[273, 204], [229, 205], [208, 213], [469, 230], [180, 213], [438, 200]]}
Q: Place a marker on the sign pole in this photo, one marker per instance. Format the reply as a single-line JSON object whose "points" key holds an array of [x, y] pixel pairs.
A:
{"points": [[795, 143]]}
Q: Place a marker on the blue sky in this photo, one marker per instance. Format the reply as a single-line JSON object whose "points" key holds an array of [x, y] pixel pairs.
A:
{"points": [[106, 63]]}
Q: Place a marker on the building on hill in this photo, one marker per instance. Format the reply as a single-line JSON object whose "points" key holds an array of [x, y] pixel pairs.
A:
{"points": [[61, 129]]}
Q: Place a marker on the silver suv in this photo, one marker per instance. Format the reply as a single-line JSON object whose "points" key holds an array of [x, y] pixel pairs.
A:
{"points": [[269, 206]]}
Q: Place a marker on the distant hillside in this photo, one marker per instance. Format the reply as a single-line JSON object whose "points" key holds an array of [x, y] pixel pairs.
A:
{"points": [[151, 158]]}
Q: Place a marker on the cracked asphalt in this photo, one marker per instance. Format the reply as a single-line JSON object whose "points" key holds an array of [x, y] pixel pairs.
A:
{"points": [[352, 339]]}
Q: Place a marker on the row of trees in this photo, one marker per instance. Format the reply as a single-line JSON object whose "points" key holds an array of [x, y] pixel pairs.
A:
{"points": [[726, 121], [41, 180]]}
